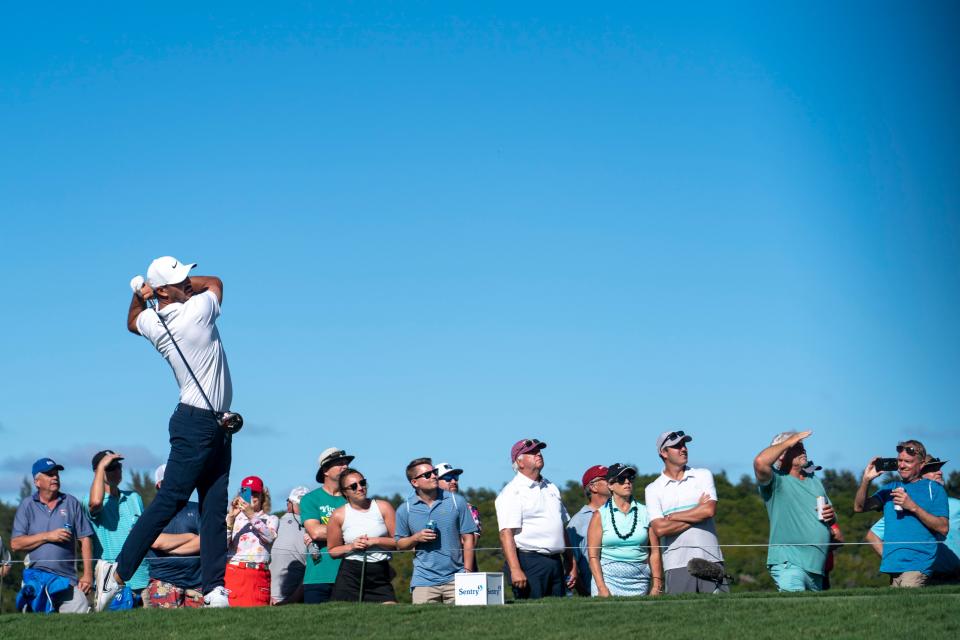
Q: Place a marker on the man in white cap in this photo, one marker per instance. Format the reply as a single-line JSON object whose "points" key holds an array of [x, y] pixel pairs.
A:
{"points": [[315, 510], [200, 447], [287, 557], [175, 578], [448, 479], [681, 504]]}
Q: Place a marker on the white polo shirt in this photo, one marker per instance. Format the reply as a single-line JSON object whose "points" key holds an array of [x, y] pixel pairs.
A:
{"points": [[665, 496], [193, 324], [535, 512]]}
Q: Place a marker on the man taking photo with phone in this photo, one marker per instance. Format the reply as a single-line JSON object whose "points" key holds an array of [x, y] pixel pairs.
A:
{"points": [[915, 515]]}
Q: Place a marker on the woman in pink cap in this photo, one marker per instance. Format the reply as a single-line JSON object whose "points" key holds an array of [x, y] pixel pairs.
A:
{"points": [[251, 531]]}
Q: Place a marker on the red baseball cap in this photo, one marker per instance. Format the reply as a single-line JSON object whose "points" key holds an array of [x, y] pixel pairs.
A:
{"points": [[527, 445], [255, 483], [594, 472]]}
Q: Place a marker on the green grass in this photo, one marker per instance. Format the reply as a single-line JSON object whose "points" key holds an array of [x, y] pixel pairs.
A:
{"points": [[860, 613]]}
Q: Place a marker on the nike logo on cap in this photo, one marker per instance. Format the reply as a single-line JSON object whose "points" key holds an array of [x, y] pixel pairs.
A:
{"points": [[174, 265]]}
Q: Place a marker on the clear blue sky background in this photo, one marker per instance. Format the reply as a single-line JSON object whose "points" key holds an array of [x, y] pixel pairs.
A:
{"points": [[443, 227]]}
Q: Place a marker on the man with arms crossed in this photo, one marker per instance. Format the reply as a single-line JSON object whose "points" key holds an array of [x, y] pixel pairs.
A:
{"points": [[681, 505], [315, 510], [790, 495], [922, 516], [442, 551], [200, 448], [531, 519], [47, 526]]}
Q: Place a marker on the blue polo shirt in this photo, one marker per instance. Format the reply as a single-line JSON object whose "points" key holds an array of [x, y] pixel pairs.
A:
{"points": [[181, 571], [34, 517], [436, 562], [902, 527]]}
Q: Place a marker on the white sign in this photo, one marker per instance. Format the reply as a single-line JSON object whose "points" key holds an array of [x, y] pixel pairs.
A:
{"points": [[478, 588]]}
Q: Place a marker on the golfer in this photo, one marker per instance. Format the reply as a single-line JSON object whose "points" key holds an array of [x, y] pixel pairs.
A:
{"points": [[199, 446]]}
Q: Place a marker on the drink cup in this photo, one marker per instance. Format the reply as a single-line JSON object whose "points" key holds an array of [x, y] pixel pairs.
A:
{"points": [[821, 503]]}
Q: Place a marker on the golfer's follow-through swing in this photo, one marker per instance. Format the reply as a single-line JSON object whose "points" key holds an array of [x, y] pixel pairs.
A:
{"points": [[177, 313]]}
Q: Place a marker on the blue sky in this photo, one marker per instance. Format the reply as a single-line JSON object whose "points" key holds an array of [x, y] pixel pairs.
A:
{"points": [[443, 227]]}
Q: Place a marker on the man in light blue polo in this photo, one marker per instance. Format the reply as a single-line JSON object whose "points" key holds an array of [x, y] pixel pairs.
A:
{"points": [[47, 525], [112, 512], [442, 550]]}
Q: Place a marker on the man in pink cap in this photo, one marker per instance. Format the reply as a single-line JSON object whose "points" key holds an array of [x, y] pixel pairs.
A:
{"points": [[531, 519], [597, 493]]}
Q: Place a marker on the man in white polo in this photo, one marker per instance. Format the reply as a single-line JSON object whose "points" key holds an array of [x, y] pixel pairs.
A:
{"points": [[531, 519], [681, 504]]}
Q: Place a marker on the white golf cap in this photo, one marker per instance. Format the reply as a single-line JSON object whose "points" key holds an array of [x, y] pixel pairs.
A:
{"points": [[158, 474], [167, 270], [444, 468], [296, 493]]}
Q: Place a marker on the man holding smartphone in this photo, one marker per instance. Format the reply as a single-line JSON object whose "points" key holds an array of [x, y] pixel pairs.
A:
{"points": [[915, 510]]}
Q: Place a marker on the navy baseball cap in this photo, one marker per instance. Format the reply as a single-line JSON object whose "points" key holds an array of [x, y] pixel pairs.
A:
{"points": [[45, 464]]}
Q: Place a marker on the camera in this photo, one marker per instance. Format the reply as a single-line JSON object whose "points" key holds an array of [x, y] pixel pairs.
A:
{"points": [[885, 464], [230, 422]]}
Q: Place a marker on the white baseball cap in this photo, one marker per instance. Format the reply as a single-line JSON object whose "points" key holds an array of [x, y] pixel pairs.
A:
{"points": [[444, 468], [158, 474], [296, 494], [167, 270]]}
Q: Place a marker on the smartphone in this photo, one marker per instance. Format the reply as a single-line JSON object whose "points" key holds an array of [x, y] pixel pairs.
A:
{"points": [[247, 494], [885, 464]]}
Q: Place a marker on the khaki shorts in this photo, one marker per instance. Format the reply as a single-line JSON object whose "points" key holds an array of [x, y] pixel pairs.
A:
{"points": [[908, 579], [444, 593]]}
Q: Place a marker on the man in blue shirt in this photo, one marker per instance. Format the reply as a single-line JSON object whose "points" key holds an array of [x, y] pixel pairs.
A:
{"points": [[915, 510], [175, 578], [445, 548], [597, 492], [47, 525]]}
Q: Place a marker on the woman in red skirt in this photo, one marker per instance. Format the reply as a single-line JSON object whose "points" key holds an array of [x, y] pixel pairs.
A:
{"points": [[251, 531]]}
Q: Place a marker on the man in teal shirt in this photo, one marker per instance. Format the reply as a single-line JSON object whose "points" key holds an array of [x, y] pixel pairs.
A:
{"points": [[112, 513], [790, 495], [315, 510]]}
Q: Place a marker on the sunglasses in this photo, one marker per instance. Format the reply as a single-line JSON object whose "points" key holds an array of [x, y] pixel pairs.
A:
{"points": [[426, 474], [621, 480], [355, 485], [911, 451], [451, 477]]}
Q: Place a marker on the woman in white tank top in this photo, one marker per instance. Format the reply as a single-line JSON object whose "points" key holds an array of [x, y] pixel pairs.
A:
{"points": [[362, 532]]}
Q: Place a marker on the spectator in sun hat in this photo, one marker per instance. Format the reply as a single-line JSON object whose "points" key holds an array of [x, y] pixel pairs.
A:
{"points": [[800, 537], [624, 553], [47, 525], [911, 532], [946, 564], [287, 558], [531, 519], [597, 492], [175, 577], [443, 550], [112, 511], [681, 504], [315, 510], [449, 480], [251, 531]]}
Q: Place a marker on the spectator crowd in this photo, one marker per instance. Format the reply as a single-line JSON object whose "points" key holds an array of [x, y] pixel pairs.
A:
{"points": [[335, 543]]}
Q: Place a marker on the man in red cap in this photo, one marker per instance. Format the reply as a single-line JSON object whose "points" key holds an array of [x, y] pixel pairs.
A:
{"points": [[597, 493], [531, 519], [251, 531]]}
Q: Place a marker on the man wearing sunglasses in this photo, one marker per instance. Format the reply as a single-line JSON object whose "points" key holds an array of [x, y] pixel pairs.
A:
{"points": [[449, 480], [799, 535], [597, 492], [681, 504], [915, 510], [112, 512], [531, 519], [439, 526]]}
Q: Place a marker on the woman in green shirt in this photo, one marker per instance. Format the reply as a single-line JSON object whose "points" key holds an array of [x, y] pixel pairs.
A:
{"points": [[624, 552]]}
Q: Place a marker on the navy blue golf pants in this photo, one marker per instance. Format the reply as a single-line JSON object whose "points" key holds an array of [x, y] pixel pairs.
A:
{"points": [[199, 459]]}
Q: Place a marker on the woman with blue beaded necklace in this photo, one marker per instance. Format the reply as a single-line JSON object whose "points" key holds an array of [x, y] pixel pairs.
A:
{"points": [[624, 552]]}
